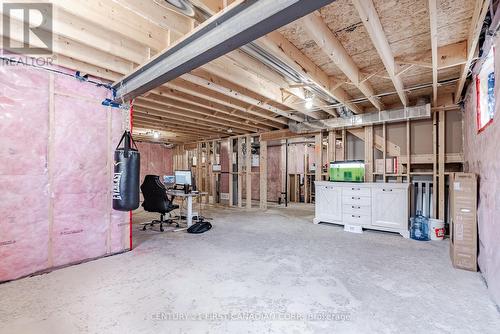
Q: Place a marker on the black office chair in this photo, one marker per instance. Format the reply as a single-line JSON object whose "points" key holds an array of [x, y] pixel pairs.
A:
{"points": [[156, 200]]}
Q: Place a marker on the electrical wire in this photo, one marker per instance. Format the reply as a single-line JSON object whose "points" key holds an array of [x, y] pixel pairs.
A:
{"points": [[52, 70]]}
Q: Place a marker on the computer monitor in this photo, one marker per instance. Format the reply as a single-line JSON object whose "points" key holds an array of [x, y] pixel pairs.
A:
{"points": [[183, 177], [169, 180]]}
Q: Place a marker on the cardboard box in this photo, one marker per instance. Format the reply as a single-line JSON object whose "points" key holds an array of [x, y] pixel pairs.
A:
{"points": [[463, 222], [379, 166]]}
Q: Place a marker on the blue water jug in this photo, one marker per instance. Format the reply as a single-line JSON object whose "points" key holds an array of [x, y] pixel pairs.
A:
{"points": [[420, 227]]}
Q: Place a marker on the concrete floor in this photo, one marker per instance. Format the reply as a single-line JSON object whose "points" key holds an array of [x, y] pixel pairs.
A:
{"points": [[251, 267]]}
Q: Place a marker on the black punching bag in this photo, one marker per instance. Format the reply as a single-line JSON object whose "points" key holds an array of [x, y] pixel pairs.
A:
{"points": [[126, 175]]}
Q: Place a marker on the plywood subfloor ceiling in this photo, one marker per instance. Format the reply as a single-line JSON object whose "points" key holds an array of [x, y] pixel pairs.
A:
{"points": [[382, 65]]}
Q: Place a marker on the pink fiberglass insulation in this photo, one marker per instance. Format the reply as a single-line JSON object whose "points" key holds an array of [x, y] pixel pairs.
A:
{"points": [[56, 172], [24, 129], [119, 233], [481, 152], [156, 159]]}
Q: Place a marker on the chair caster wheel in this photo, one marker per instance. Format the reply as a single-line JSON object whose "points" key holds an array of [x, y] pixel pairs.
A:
{"points": [[144, 228], [176, 225], [161, 228]]}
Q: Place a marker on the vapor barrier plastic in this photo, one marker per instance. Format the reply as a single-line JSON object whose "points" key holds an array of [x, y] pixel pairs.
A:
{"points": [[55, 172], [481, 157]]}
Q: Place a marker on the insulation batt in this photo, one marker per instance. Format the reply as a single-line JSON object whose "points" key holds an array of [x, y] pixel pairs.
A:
{"points": [[481, 152], [55, 174]]}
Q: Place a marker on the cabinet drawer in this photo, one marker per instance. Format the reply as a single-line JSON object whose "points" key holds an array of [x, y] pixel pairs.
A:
{"points": [[356, 191], [356, 219], [356, 200], [357, 209]]}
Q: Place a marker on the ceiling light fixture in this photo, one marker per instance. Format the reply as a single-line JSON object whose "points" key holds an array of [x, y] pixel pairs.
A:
{"points": [[308, 97]]}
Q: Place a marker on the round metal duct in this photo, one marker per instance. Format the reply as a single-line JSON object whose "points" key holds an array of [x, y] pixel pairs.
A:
{"points": [[182, 6]]}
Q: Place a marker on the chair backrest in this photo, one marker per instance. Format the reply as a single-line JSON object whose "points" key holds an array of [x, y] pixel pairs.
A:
{"points": [[155, 198]]}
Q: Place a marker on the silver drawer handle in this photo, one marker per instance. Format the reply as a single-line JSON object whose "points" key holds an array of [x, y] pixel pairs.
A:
{"points": [[354, 216], [355, 197], [356, 207], [355, 188], [386, 189]]}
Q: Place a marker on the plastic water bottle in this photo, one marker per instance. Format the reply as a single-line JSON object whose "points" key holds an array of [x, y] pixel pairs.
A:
{"points": [[420, 227]]}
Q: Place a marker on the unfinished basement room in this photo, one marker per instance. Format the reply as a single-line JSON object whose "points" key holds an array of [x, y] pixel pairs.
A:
{"points": [[249, 166]]}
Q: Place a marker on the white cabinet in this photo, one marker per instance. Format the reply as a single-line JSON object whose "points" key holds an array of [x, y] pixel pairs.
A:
{"points": [[328, 203], [390, 208], [379, 206]]}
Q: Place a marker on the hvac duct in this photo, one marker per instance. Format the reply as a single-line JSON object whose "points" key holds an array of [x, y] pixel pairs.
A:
{"points": [[386, 116]]}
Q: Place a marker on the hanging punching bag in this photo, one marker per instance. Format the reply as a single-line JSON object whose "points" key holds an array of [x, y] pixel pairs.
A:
{"points": [[126, 175]]}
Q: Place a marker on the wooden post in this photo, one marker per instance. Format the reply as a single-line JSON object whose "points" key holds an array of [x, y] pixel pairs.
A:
{"points": [[306, 180], [240, 172], [230, 158], [434, 167], [263, 174], [283, 164], [318, 151], [384, 148], [249, 172], [344, 145], [198, 170], [441, 166], [213, 174], [331, 146], [408, 150], [207, 172], [369, 153]]}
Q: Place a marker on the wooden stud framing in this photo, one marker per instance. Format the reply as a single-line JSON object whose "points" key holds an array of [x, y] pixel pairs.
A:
{"points": [[231, 162], [283, 163], [384, 149], [263, 174], [441, 164], [331, 146], [319, 31], [306, 176], [434, 45], [369, 153], [213, 175], [472, 40], [434, 167], [240, 172], [198, 169], [207, 172], [80, 47], [344, 145], [248, 172], [408, 150], [371, 21], [318, 152]]}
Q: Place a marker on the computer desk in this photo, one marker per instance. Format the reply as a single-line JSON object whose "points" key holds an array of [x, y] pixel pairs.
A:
{"points": [[189, 197]]}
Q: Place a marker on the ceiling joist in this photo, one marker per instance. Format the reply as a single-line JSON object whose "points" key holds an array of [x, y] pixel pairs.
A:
{"points": [[318, 30], [371, 21]]}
